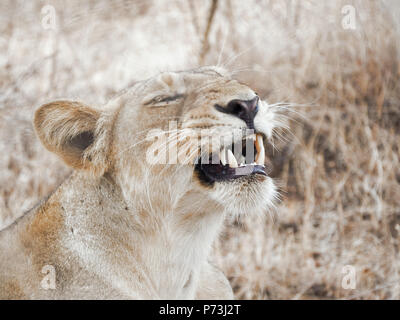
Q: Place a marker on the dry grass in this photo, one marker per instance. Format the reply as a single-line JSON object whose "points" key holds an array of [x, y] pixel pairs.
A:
{"points": [[338, 168]]}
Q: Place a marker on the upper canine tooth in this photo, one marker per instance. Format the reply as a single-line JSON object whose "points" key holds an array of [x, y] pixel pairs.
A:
{"points": [[260, 150], [260, 158], [259, 142], [223, 157], [232, 160]]}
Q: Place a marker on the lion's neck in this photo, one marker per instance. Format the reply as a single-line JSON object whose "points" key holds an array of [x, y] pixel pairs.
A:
{"points": [[177, 241], [161, 247]]}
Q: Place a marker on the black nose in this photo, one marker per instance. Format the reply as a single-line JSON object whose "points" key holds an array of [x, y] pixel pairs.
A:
{"points": [[243, 109]]}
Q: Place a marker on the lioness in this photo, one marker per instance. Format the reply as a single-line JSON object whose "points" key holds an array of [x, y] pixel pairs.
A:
{"points": [[130, 222]]}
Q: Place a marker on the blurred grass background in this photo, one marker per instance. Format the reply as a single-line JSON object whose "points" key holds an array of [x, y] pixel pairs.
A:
{"points": [[337, 168]]}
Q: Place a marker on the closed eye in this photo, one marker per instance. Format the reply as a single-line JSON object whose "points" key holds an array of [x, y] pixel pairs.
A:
{"points": [[163, 100]]}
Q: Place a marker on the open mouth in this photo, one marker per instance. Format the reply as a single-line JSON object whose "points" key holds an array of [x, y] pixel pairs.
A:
{"points": [[239, 160]]}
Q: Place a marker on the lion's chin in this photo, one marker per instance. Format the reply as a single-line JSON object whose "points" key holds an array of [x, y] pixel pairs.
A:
{"points": [[246, 195]]}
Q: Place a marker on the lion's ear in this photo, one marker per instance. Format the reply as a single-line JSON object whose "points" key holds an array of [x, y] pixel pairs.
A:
{"points": [[74, 132]]}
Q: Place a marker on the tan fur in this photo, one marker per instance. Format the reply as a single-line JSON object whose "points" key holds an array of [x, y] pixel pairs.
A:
{"points": [[41, 236], [120, 227], [11, 290]]}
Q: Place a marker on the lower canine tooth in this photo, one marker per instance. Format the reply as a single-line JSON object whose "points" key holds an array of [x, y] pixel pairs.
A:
{"points": [[232, 160]]}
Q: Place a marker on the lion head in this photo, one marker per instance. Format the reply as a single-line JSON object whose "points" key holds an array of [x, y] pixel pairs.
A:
{"points": [[180, 138]]}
